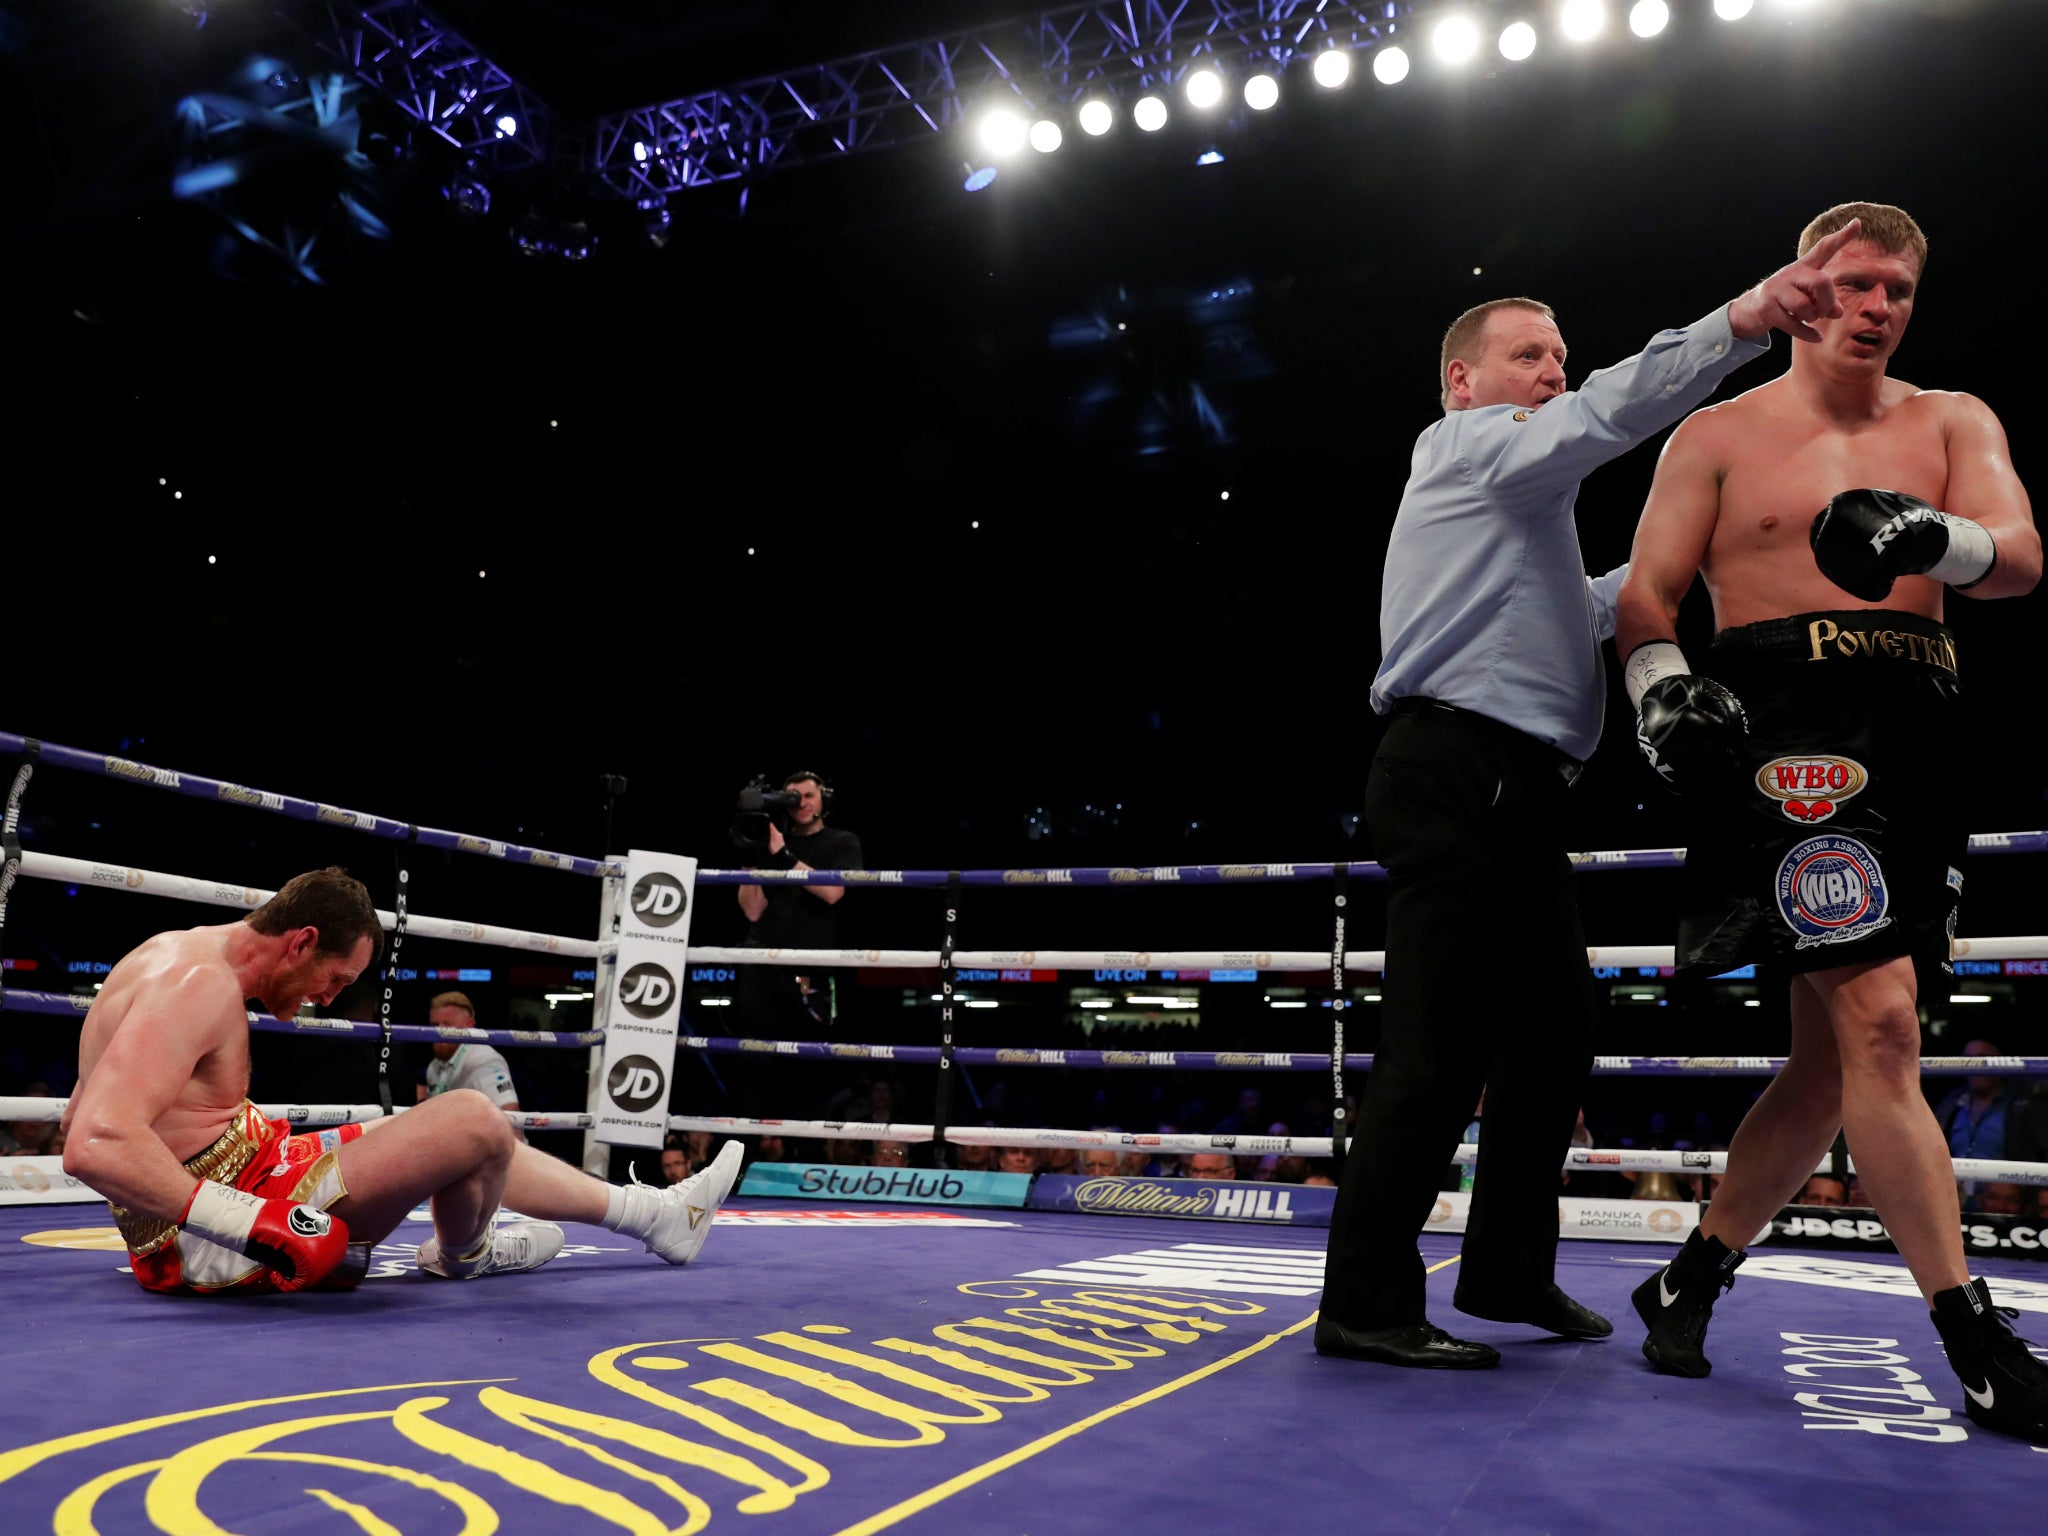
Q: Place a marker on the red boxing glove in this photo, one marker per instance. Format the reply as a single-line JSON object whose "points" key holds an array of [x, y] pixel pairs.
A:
{"points": [[302, 1244]]}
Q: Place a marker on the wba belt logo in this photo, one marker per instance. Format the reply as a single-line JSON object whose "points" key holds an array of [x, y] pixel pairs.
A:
{"points": [[1831, 890], [1811, 789]]}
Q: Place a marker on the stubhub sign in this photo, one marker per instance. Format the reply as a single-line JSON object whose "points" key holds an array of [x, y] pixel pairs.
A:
{"points": [[915, 1186]]}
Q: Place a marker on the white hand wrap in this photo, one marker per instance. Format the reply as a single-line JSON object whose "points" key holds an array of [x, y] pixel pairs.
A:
{"points": [[1648, 663], [222, 1214], [1970, 554]]}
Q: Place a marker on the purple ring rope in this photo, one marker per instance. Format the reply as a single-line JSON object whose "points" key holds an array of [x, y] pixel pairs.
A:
{"points": [[1226, 874], [1299, 1061], [881, 879], [73, 1005], [202, 788]]}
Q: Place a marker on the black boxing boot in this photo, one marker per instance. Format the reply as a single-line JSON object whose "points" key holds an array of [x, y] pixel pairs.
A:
{"points": [[1677, 1303], [2006, 1385]]}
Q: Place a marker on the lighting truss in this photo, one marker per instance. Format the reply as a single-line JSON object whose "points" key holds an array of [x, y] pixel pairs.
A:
{"points": [[1047, 62], [244, 158], [434, 75]]}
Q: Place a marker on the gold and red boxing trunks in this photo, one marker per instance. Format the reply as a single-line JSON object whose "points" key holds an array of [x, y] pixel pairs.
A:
{"points": [[254, 1154]]}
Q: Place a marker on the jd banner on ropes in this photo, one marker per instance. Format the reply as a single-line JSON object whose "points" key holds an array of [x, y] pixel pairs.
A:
{"points": [[646, 998]]}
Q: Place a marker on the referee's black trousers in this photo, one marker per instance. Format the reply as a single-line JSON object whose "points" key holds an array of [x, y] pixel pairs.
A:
{"points": [[1486, 985]]}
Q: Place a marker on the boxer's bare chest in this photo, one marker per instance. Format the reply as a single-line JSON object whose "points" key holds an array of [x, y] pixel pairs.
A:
{"points": [[1758, 564]]}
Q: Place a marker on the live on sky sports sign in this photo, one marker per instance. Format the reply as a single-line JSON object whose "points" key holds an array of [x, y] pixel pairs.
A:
{"points": [[646, 1000]]}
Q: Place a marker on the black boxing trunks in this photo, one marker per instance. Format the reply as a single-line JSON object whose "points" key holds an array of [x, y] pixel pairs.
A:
{"points": [[1842, 841]]}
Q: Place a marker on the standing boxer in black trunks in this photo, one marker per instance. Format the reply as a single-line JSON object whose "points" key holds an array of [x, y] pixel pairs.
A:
{"points": [[1827, 849]]}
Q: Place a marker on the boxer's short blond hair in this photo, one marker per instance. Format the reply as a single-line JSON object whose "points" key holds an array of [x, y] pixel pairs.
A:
{"points": [[453, 1000], [1888, 228]]}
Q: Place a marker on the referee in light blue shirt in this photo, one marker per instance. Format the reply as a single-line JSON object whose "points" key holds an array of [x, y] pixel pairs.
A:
{"points": [[1494, 681]]}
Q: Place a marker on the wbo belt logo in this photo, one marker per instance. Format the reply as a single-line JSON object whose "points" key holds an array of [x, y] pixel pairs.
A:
{"points": [[658, 899], [1831, 890], [1812, 789]]}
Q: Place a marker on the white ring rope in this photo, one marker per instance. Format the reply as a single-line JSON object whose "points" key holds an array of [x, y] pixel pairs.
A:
{"points": [[1615, 1160], [215, 893], [1621, 1160], [122, 877]]}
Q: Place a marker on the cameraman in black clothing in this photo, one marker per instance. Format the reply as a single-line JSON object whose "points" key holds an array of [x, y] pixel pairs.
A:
{"points": [[792, 916]]}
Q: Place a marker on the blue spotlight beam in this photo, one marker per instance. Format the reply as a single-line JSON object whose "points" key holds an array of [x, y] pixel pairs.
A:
{"points": [[1047, 62]]}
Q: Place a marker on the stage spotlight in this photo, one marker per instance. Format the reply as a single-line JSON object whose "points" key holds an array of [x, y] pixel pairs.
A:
{"points": [[467, 196], [1046, 136], [577, 242], [1390, 66], [1204, 88], [1003, 132], [975, 181], [1332, 68], [1096, 118], [1260, 92], [1209, 157], [1518, 41], [1733, 10], [507, 126], [1149, 114], [533, 236], [1646, 18], [1456, 39], [1582, 20]]}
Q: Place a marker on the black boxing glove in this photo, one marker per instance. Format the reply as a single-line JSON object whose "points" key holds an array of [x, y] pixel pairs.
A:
{"points": [[1690, 728], [1863, 540]]}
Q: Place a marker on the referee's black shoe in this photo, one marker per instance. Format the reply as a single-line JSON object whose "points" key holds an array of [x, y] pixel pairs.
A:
{"points": [[1549, 1309], [2006, 1385], [1677, 1302], [1416, 1345]]}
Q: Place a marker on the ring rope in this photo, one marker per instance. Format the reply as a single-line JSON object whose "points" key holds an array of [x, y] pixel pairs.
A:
{"points": [[204, 788], [215, 893], [1617, 1160], [2004, 947], [74, 1005], [200, 787], [1298, 1061], [45, 866], [1231, 874]]}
